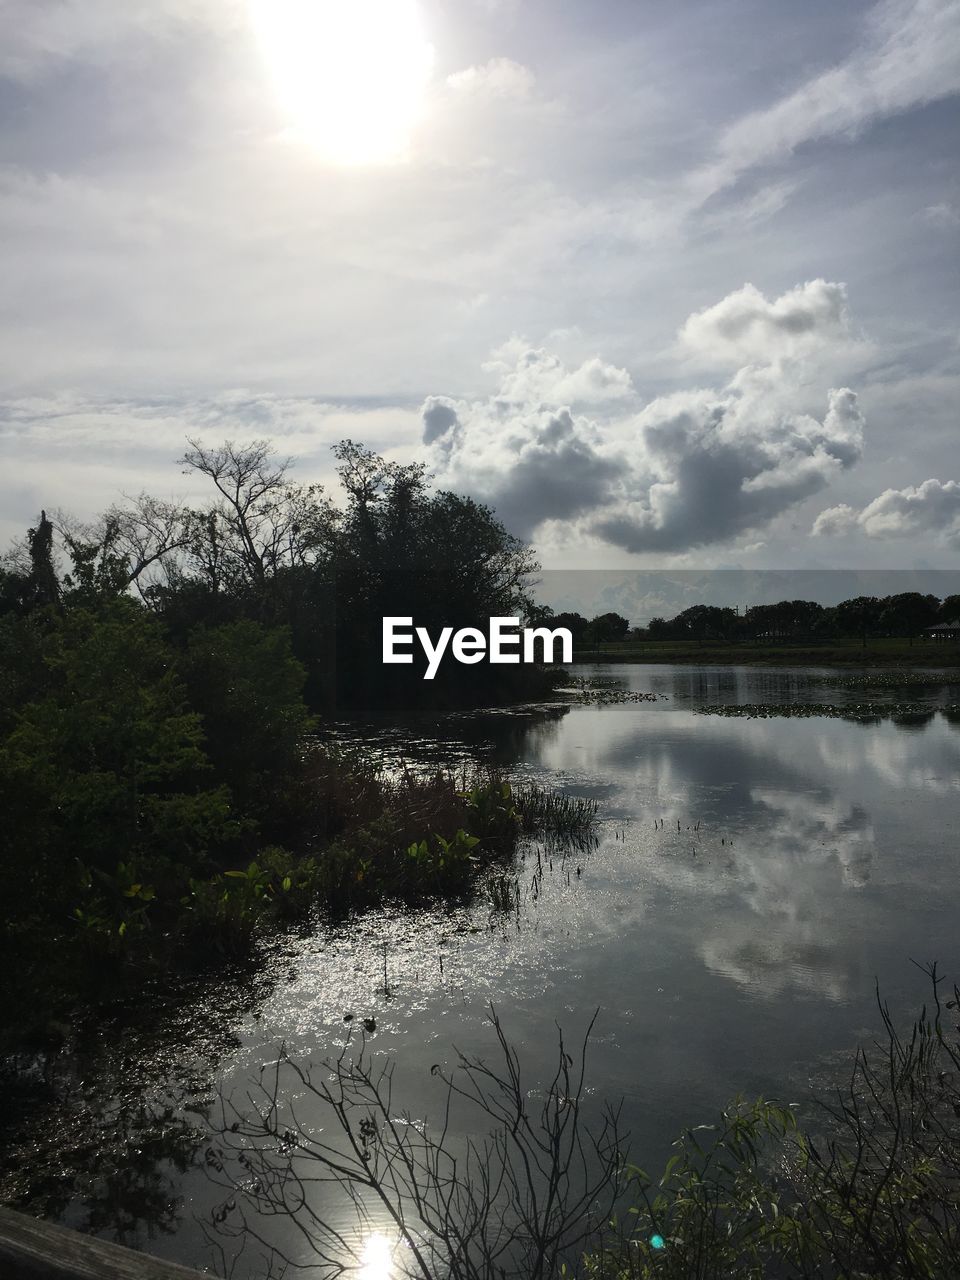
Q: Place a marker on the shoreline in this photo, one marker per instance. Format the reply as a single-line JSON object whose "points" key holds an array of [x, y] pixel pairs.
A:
{"points": [[885, 654]]}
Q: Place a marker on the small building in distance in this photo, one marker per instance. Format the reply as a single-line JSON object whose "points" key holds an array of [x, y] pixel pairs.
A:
{"points": [[943, 631]]}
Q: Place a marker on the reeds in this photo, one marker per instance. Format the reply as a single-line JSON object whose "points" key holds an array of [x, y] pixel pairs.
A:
{"points": [[554, 813]]}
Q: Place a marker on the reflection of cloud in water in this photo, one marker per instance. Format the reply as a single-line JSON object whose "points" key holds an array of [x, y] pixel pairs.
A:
{"points": [[926, 759], [780, 913], [770, 896], [925, 763], [822, 829], [770, 964]]}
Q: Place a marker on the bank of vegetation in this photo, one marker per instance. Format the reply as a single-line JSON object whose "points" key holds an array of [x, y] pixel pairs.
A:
{"points": [[165, 675]]}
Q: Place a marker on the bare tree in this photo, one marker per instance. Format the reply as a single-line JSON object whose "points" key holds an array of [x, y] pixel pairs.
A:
{"points": [[121, 548], [150, 532], [262, 522], [532, 1193]]}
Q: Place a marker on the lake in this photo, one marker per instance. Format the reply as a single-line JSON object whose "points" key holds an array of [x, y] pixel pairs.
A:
{"points": [[752, 879]]}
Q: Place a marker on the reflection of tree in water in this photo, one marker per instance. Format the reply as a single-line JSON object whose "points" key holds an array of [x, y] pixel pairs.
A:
{"points": [[914, 719], [100, 1131], [499, 736], [519, 736]]}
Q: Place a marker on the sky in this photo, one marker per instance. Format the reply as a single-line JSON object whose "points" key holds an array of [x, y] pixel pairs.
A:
{"points": [[669, 286]]}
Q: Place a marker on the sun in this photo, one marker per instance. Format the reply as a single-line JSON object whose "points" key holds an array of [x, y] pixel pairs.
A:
{"points": [[350, 75]]}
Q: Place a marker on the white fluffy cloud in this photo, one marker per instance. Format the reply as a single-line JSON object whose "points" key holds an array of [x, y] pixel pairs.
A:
{"points": [[686, 470], [931, 507], [747, 326], [532, 463], [532, 375]]}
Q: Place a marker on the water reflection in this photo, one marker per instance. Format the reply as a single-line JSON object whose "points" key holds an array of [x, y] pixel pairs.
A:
{"points": [[750, 879], [376, 1259], [103, 1132]]}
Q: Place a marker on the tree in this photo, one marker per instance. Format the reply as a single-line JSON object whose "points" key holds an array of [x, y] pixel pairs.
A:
{"points": [[908, 613], [105, 762], [260, 525], [607, 627], [575, 623], [441, 558], [43, 588], [859, 616], [120, 549], [247, 687]]}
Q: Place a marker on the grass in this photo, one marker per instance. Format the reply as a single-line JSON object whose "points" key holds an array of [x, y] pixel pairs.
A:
{"points": [[380, 835]]}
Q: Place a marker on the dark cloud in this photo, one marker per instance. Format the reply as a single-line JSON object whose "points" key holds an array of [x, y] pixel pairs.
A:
{"points": [[439, 416]]}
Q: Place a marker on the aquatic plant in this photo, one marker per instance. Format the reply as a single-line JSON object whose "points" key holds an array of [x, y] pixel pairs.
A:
{"points": [[887, 679], [605, 691], [838, 711], [554, 813]]}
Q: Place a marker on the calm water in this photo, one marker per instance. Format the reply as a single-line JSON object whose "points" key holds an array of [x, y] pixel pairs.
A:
{"points": [[751, 881]]}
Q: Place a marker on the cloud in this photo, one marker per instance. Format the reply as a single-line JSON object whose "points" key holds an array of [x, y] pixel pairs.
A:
{"points": [[555, 443], [531, 375], [532, 463], [911, 56], [498, 78], [39, 38], [746, 326], [931, 507], [439, 416], [153, 434], [835, 521], [944, 216], [719, 465]]}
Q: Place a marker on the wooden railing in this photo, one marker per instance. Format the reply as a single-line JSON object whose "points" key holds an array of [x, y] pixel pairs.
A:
{"points": [[31, 1249]]}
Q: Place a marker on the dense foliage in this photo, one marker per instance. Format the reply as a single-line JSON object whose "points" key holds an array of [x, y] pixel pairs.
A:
{"points": [[161, 673]]}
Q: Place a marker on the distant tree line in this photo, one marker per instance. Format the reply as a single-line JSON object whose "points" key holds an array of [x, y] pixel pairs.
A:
{"points": [[603, 628], [907, 614]]}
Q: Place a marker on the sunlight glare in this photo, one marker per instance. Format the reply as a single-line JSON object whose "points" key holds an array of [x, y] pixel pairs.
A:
{"points": [[350, 75], [377, 1260]]}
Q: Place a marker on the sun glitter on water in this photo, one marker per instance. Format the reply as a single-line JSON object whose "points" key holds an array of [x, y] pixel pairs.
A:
{"points": [[377, 1261]]}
